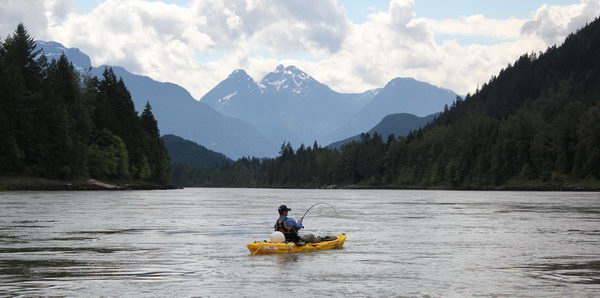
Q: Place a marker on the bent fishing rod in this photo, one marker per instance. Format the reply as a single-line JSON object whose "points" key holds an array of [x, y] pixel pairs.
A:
{"points": [[336, 213]]}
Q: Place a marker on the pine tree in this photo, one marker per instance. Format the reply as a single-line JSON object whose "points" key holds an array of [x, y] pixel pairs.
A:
{"points": [[155, 150], [67, 121], [9, 149], [21, 97]]}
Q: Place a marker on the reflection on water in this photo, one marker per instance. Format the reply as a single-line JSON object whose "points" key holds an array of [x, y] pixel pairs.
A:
{"points": [[286, 258], [401, 243]]}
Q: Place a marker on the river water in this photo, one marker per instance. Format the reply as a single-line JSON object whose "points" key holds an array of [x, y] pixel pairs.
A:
{"points": [[192, 242]]}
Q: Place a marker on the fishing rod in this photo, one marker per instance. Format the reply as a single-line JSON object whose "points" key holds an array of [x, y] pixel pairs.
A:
{"points": [[336, 213]]}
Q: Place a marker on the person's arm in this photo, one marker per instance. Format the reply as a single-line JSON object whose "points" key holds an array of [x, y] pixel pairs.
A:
{"points": [[290, 222]]}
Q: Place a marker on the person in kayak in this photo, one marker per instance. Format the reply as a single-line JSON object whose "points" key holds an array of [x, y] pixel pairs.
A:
{"points": [[289, 227]]}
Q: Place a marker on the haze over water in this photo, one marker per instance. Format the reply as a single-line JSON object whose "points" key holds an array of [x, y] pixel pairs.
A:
{"points": [[192, 242]]}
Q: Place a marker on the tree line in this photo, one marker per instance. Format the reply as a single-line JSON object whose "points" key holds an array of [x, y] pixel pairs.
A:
{"points": [[536, 123], [56, 123]]}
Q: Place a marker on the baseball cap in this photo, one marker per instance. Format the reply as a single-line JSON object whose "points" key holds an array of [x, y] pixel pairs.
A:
{"points": [[284, 208]]}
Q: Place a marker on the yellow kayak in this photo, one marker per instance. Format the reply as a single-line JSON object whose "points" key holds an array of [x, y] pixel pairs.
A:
{"points": [[264, 247]]}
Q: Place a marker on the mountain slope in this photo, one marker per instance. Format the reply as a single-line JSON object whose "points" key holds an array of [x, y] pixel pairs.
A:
{"points": [[193, 120], [53, 50], [287, 104], [400, 95], [399, 125], [177, 112], [182, 151], [238, 96]]}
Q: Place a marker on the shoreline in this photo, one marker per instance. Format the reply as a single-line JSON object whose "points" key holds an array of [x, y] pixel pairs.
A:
{"points": [[42, 184], [507, 188], [524, 188]]}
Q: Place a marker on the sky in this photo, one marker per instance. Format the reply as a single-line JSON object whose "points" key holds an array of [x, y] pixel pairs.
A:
{"points": [[350, 45]]}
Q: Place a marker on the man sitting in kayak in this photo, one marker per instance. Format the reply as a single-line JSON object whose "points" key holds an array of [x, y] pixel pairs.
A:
{"points": [[289, 227]]}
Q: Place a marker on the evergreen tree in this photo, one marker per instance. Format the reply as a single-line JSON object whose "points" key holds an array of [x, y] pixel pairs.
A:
{"points": [[115, 112], [155, 150], [67, 121], [20, 91]]}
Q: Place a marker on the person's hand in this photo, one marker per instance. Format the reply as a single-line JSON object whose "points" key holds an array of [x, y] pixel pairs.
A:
{"points": [[300, 221]]}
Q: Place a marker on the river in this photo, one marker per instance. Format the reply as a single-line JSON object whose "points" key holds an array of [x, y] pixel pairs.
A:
{"points": [[192, 242]]}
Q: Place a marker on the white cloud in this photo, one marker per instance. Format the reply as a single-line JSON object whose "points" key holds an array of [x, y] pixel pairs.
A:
{"points": [[478, 25], [398, 43], [553, 23], [164, 40], [32, 13], [58, 10]]}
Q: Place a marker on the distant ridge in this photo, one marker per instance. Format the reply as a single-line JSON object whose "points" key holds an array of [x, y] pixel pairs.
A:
{"points": [[400, 95], [399, 125]]}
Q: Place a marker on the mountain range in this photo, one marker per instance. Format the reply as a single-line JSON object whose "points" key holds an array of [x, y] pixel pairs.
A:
{"points": [[242, 117], [287, 104], [290, 105]]}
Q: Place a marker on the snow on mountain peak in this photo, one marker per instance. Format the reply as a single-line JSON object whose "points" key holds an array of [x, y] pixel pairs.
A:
{"points": [[53, 50], [287, 78], [240, 78], [240, 73], [226, 98]]}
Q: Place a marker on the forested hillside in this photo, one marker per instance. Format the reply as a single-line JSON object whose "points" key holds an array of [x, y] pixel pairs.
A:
{"points": [[188, 159], [536, 125], [186, 152], [57, 125]]}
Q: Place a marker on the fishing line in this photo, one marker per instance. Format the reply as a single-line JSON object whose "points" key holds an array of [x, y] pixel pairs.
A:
{"points": [[336, 213]]}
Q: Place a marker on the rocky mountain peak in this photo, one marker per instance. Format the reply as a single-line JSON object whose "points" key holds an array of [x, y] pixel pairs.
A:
{"points": [[288, 78]]}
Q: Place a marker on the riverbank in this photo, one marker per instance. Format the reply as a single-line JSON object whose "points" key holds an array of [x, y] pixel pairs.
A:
{"points": [[548, 187], [575, 185], [26, 183], [564, 184]]}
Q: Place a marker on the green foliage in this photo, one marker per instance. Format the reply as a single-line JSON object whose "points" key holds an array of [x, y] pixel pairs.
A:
{"points": [[54, 125], [66, 122], [155, 166], [108, 156]]}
